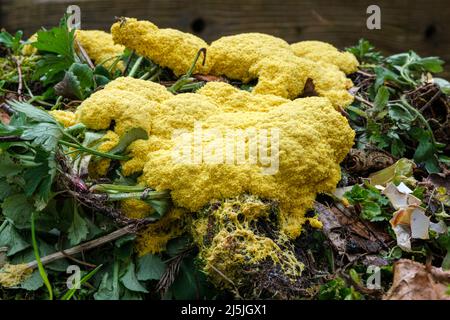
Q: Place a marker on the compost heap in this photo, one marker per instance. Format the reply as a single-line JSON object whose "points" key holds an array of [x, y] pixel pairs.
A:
{"points": [[221, 204]]}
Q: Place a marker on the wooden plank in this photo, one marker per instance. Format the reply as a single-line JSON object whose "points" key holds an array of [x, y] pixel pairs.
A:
{"points": [[419, 25]]}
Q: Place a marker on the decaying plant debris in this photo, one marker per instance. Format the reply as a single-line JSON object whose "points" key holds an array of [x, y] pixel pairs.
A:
{"points": [[87, 178]]}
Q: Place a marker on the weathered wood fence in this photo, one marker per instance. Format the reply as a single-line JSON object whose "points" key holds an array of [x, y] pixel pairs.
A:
{"points": [[421, 25]]}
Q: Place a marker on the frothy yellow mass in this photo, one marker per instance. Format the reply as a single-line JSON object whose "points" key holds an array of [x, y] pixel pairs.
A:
{"points": [[313, 140], [100, 47], [279, 68], [324, 52]]}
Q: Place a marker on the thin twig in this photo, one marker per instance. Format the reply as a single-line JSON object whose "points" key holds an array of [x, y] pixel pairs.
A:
{"points": [[19, 71], [437, 95], [360, 99], [84, 246], [84, 54]]}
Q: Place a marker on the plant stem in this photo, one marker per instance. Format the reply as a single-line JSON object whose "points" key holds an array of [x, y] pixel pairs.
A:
{"points": [[39, 263], [420, 116], [93, 151], [153, 195], [136, 66], [185, 78], [114, 188]]}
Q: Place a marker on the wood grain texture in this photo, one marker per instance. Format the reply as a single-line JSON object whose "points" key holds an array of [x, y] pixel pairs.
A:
{"points": [[420, 25]]}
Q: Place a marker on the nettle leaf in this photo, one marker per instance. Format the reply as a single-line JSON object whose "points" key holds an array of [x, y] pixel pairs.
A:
{"points": [[398, 112], [11, 238], [18, 209], [78, 230], [150, 267], [130, 281]]}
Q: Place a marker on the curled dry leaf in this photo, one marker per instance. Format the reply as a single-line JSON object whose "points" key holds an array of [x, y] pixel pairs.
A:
{"points": [[415, 281]]}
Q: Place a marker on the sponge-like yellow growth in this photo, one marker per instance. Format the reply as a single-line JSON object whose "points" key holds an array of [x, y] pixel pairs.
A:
{"points": [[313, 139], [28, 49], [99, 167], [324, 52], [154, 238], [100, 47], [232, 100], [167, 47], [13, 274], [66, 118], [277, 67], [278, 70], [230, 242]]}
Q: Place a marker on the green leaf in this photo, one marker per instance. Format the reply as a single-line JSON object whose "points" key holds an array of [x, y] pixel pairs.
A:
{"points": [[18, 210], [150, 267], [177, 245], [372, 211], [431, 64], [41, 268], [130, 281], [78, 82], [425, 151], [190, 282], [58, 54], [382, 98], [69, 294], [84, 74], [365, 52], [58, 40], [69, 87], [32, 283], [31, 112], [43, 134], [443, 84], [78, 230], [109, 286], [8, 167], [129, 137], [12, 42], [9, 237]]}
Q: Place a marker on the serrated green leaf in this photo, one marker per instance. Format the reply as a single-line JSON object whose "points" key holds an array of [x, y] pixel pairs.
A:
{"points": [[84, 75], [45, 135], [78, 230], [32, 112]]}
